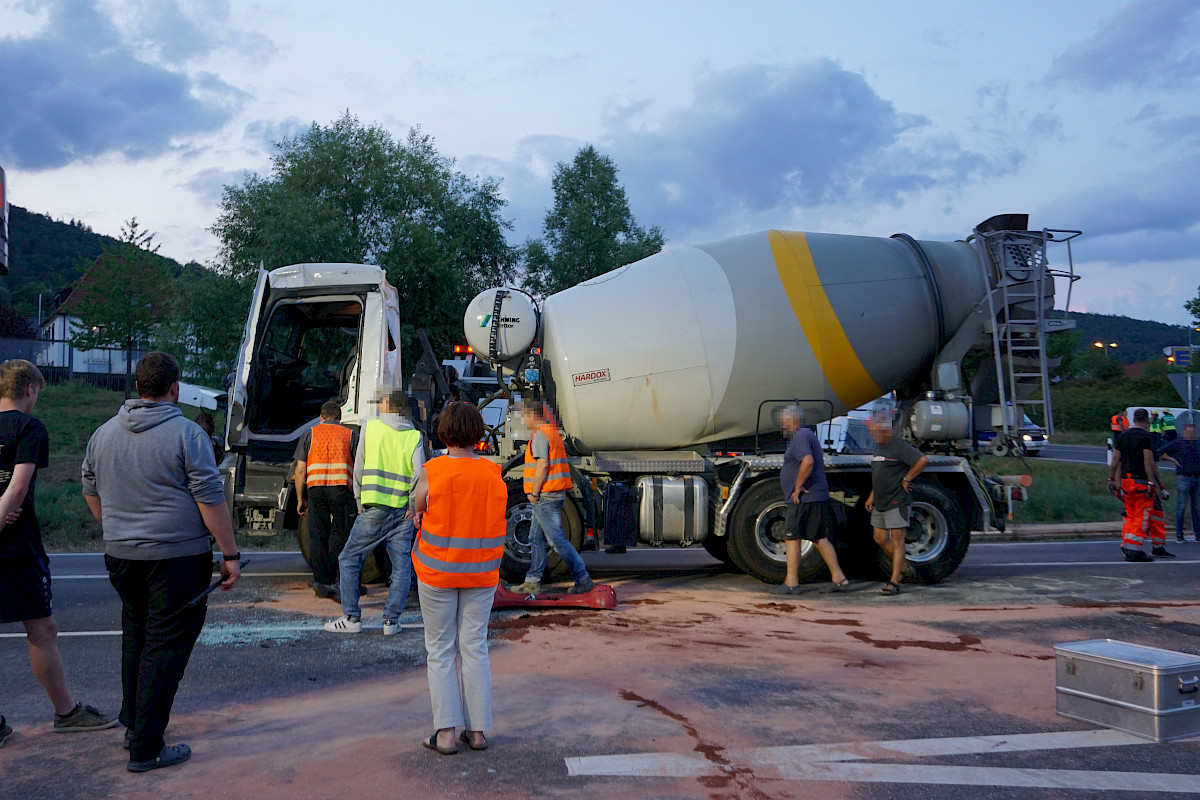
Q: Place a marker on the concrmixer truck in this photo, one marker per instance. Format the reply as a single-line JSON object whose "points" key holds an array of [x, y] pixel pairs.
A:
{"points": [[665, 376]]}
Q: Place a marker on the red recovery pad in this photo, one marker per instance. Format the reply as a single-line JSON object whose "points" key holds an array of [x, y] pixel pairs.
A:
{"points": [[602, 596]]}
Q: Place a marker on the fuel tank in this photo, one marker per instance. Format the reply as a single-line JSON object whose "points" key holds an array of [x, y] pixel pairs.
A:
{"points": [[681, 348]]}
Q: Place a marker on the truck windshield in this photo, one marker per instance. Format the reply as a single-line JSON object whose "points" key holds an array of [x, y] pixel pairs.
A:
{"points": [[305, 356]]}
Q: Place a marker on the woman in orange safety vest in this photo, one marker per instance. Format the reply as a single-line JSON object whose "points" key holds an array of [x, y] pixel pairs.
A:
{"points": [[459, 503]]}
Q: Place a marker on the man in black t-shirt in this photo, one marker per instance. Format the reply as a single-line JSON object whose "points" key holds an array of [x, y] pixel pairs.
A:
{"points": [[1134, 476], [894, 466], [24, 567]]}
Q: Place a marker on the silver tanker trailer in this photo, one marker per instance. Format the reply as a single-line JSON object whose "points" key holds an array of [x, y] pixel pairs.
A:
{"points": [[664, 376]]}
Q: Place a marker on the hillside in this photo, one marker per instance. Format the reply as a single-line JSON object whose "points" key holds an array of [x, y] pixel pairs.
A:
{"points": [[46, 255], [1137, 340]]}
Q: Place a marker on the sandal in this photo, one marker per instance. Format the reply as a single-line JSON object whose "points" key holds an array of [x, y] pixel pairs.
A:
{"points": [[844, 586], [890, 588], [433, 745], [465, 739]]}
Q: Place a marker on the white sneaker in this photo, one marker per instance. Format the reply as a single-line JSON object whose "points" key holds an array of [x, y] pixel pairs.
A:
{"points": [[344, 625], [391, 627]]}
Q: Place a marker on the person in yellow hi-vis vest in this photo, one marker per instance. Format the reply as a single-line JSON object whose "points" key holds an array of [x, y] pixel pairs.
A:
{"points": [[547, 480], [386, 466]]}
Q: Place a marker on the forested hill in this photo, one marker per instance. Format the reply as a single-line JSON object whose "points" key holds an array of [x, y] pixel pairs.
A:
{"points": [[1137, 340], [46, 255]]}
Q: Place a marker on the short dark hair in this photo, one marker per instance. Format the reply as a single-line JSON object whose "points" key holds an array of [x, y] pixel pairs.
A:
{"points": [[156, 371], [1140, 415], [460, 425], [331, 410], [16, 376]]}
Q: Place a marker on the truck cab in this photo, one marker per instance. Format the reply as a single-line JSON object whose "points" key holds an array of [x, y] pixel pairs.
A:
{"points": [[315, 332]]}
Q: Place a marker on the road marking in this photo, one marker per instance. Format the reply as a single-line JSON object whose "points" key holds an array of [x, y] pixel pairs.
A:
{"points": [[104, 575], [230, 629], [827, 762], [1175, 562]]}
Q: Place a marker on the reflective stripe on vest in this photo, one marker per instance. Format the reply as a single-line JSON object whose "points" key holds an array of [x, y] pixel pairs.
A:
{"points": [[461, 542], [558, 477], [387, 475], [330, 462]]}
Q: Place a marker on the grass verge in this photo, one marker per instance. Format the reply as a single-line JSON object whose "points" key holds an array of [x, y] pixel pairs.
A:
{"points": [[1062, 491]]}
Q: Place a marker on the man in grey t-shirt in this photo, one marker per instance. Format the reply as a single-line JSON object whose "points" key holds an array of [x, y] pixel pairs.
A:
{"points": [[893, 467]]}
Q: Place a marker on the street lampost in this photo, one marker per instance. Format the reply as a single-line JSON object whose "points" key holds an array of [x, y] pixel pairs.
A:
{"points": [[1104, 349]]}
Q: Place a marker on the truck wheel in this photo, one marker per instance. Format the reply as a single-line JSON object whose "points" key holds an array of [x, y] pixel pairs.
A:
{"points": [[718, 548], [376, 569], [518, 519], [938, 534], [999, 448], [756, 536]]}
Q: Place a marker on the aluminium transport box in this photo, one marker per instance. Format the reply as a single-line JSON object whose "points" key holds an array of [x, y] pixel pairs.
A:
{"points": [[1140, 690]]}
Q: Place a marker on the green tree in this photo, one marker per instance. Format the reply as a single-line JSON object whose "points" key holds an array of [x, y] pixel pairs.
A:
{"points": [[351, 193], [589, 231], [207, 325], [1193, 308], [122, 299]]}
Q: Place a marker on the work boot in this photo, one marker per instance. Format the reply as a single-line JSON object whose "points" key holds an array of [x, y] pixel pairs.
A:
{"points": [[1132, 554], [1161, 552], [324, 590], [585, 585], [527, 588]]}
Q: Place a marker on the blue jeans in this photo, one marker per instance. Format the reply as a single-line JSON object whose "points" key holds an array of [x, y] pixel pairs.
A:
{"points": [[547, 527], [1187, 488], [374, 526]]}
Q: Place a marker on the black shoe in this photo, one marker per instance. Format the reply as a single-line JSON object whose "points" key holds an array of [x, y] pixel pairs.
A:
{"points": [[582, 587], [325, 591], [1135, 555], [128, 738], [615, 549], [1180, 540], [169, 756], [1161, 552]]}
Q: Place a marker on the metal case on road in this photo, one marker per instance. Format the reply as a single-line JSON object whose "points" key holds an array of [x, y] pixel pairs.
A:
{"points": [[1140, 690]]}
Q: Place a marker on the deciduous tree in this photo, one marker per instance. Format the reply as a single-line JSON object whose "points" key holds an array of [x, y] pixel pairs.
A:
{"points": [[351, 193], [122, 298], [589, 231]]}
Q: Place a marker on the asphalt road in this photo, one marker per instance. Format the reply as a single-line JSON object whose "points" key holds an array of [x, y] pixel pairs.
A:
{"points": [[967, 658], [1083, 454]]}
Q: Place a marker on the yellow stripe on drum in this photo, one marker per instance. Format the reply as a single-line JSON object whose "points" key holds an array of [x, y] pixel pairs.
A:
{"points": [[842, 368]]}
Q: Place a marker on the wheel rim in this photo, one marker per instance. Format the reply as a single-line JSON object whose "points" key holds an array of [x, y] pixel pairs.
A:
{"points": [[928, 533], [516, 532], [768, 533]]}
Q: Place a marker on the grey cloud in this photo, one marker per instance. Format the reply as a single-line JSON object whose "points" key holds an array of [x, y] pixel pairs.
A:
{"points": [[78, 90], [756, 144], [1045, 125], [262, 134], [1150, 216], [1148, 43], [209, 184]]}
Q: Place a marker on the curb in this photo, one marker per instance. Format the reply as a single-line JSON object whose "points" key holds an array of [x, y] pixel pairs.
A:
{"points": [[1054, 532]]}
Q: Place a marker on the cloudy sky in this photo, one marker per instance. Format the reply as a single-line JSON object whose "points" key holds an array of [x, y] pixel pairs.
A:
{"points": [[869, 118]]}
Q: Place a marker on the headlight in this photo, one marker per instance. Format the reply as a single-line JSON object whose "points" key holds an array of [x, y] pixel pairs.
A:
{"points": [[1027, 438]]}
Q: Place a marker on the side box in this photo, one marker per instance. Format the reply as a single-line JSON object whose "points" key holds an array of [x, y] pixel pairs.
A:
{"points": [[1140, 690], [672, 510]]}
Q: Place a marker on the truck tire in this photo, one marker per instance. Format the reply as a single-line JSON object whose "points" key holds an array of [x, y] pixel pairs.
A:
{"points": [[718, 548], [756, 536], [518, 518], [376, 569], [938, 534]]}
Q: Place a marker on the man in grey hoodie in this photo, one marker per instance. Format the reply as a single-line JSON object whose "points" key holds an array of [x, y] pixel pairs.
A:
{"points": [[150, 478]]}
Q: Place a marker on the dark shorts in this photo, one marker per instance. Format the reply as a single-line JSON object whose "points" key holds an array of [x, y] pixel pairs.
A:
{"points": [[24, 588], [811, 521]]}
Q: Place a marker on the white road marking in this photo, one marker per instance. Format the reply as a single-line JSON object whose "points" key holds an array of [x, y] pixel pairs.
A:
{"points": [[232, 628], [829, 762], [104, 575], [1082, 563]]}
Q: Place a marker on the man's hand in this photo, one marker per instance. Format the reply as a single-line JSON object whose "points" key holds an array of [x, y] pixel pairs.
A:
{"points": [[12, 516], [870, 506], [302, 506], [232, 572], [533, 497], [795, 498]]}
